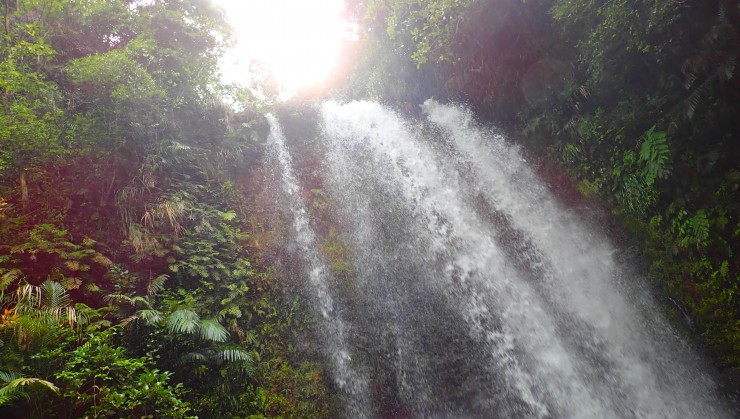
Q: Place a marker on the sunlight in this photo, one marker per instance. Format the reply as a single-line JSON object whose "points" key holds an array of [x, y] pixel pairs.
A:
{"points": [[297, 41]]}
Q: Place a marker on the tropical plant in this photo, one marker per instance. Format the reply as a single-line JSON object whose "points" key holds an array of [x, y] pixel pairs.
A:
{"points": [[14, 387]]}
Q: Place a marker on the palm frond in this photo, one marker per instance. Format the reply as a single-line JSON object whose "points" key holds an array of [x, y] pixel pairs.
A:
{"points": [[117, 298], [150, 316], [156, 285], [56, 301], [234, 355], [54, 296], [14, 388], [193, 357], [8, 376], [28, 297], [24, 381], [183, 321], [212, 330], [9, 277]]}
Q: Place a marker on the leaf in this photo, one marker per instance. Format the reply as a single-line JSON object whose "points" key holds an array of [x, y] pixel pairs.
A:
{"points": [[156, 285], [54, 296], [150, 316], [213, 331], [234, 355], [193, 357], [118, 298], [13, 389], [655, 153], [183, 321], [20, 382], [8, 376]]}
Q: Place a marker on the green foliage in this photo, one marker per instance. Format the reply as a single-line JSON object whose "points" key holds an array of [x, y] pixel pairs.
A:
{"points": [[31, 120], [431, 25], [101, 380], [56, 257], [14, 387], [655, 155], [690, 230], [183, 321], [160, 315], [213, 331]]}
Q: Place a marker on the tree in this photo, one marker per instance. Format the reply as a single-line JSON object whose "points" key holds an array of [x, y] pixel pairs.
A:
{"points": [[31, 120]]}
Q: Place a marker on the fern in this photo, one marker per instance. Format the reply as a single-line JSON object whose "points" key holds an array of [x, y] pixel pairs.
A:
{"points": [[9, 277], [696, 230], [655, 154], [726, 69], [690, 230], [634, 194]]}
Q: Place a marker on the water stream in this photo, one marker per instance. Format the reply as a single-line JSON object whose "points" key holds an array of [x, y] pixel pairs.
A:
{"points": [[333, 330], [477, 294]]}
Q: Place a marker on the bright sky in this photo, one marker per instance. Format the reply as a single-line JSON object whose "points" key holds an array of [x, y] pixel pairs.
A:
{"points": [[298, 41]]}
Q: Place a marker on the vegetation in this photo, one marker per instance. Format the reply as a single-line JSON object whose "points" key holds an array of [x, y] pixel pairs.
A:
{"points": [[637, 100], [137, 264], [130, 285]]}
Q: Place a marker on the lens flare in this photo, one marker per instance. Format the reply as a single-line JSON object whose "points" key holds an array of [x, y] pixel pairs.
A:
{"points": [[296, 41]]}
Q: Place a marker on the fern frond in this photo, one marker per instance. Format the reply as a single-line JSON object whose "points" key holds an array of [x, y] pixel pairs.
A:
{"points": [[690, 79], [10, 395], [250, 337], [726, 69], [722, 15], [139, 301], [655, 153]]}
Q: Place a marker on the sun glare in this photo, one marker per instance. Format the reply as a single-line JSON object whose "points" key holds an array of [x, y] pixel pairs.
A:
{"points": [[297, 41]]}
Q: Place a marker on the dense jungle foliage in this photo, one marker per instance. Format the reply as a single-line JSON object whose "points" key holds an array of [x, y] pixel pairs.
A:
{"points": [[132, 283], [637, 100], [137, 261]]}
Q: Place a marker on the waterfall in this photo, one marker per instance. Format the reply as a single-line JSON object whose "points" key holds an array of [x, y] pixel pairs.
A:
{"points": [[476, 293], [347, 377]]}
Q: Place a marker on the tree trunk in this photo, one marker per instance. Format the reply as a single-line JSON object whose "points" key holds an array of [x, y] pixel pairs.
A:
{"points": [[24, 190]]}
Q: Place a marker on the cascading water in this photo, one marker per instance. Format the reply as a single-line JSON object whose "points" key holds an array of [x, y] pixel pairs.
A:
{"points": [[477, 294], [350, 381]]}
